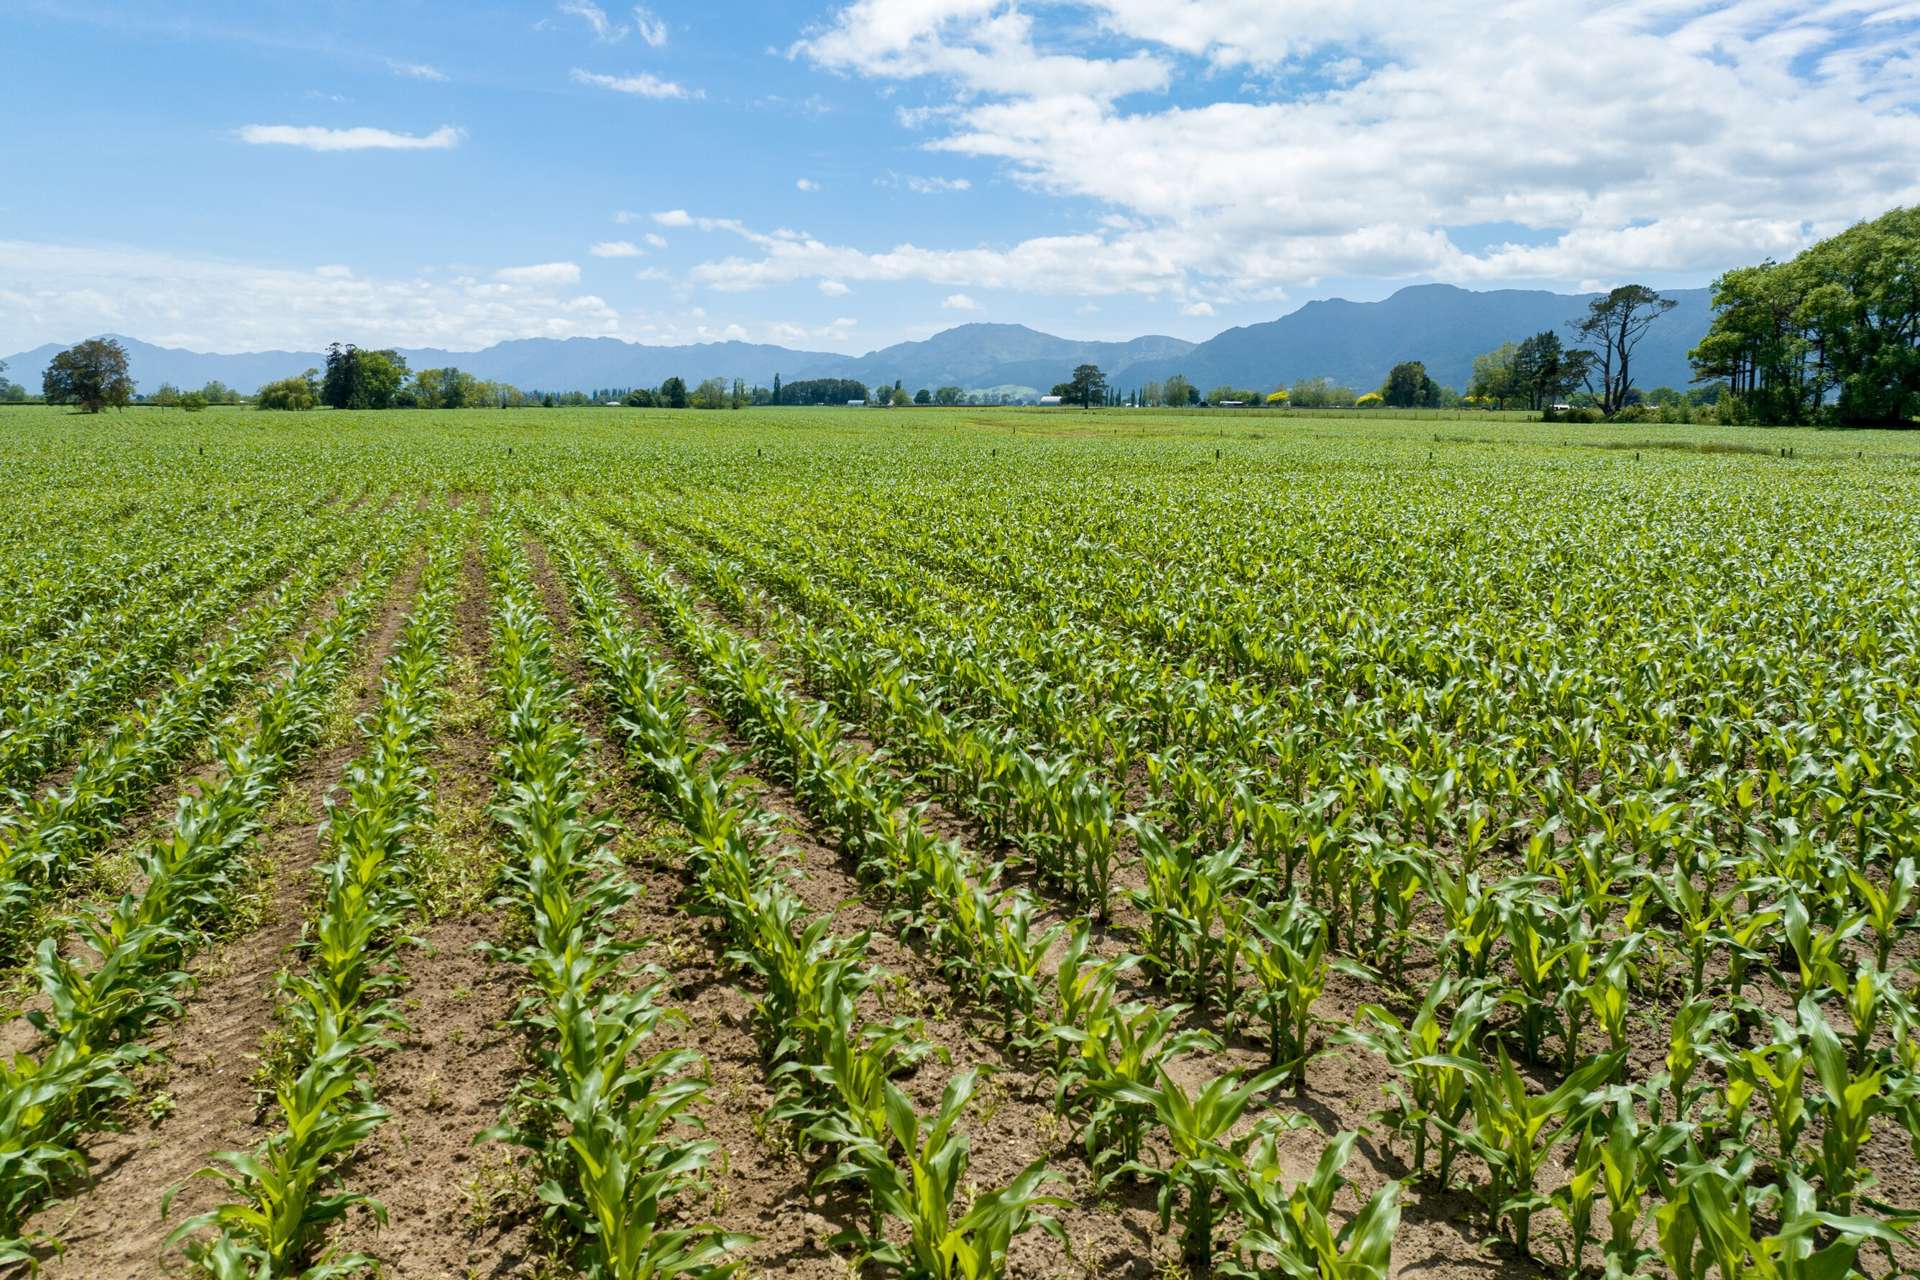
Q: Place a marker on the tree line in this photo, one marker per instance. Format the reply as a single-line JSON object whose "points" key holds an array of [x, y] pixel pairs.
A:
{"points": [[1831, 336]]}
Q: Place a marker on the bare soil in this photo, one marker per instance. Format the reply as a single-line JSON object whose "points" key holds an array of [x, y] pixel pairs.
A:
{"points": [[204, 1099]]}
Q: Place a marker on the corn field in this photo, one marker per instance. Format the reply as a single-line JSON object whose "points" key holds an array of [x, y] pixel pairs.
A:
{"points": [[956, 845]]}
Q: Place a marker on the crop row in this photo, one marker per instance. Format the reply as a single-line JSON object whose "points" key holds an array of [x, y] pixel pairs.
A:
{"points": [[127, 971]]}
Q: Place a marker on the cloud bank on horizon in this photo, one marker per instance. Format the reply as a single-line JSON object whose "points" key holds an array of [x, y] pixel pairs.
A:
{"points": [[1181, 163]]}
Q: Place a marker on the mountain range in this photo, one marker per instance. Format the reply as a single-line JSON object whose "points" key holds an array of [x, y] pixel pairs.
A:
{"points": [[1354, 343]]}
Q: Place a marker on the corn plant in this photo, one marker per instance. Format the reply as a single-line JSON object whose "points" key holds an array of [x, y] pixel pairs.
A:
{"points": [[1199, 1127], [1709, 1227], [1285, 951], [1288, 1231], [921, 1191], [1121, 1051], [1514, 1128], [1433, 1058]]}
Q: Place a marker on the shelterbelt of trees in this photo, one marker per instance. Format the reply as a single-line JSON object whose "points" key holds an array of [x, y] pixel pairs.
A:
{"points": [[1832, 336]]}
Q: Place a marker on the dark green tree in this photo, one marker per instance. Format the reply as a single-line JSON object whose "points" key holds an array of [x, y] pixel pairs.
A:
{"points": [[1612, 328], [1408, 386], [673, 393], [1088, 383], [776, 388], [292, 394], [91, 374]]}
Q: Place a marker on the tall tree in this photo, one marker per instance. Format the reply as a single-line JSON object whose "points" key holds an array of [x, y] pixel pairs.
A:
{"points": [[776, 388], [1865, 306], [1408, 386], [1613, 327], [91, 374], [1087, 384], [1496, 375], [1178, 392]]}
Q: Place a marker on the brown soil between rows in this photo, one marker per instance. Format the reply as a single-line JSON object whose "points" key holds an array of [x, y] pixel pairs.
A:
{"points": [[1116, 1232], [451, 1207], [1888, 1154], [203, 1098]]}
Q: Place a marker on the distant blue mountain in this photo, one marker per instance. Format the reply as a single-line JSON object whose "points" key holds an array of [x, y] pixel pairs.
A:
{"points": [[1355, 343]]}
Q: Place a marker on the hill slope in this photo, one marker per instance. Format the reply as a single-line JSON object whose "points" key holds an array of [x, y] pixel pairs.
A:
{"points": [[1356, 343], [1351, 342]]}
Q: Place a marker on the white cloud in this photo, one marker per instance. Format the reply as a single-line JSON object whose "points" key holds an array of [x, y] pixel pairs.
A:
{"points": [[1650, 136], [624, 216], [206, 304], [648, 274], [1197, 309], [603, 27], [615, 249], [806, 184], [833, 289], [934, 186], [1085, 264], [651, 29], [315, 138], [541, 275], [655, 239], [641, 84], [416, 70], [959, 302]]}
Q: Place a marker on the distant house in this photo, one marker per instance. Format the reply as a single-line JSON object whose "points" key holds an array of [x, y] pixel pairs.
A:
{"points": [[1049, 399], [1232, 404], [856, 404]]}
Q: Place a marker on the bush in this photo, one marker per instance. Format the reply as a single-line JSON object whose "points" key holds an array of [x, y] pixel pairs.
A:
{"points": [[1571, 415], [291, 394], [192, 401]]}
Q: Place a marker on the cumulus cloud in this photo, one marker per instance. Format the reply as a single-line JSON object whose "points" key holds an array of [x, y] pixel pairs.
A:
{"points": [[833, 289], [959, 302], [1197, 309], [316, 138], [416, 70], [615, 249], [1088, 264], [1615, 140], [806, 184], [641, 84], [208, 304], [933, 186], [541, 274], [655, 239]]}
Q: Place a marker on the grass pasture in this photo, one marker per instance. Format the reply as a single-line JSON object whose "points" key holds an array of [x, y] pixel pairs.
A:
{"points": [[958, 843]]}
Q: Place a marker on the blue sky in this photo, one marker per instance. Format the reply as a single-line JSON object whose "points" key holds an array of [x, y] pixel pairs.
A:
{"points": [[841, 176]]}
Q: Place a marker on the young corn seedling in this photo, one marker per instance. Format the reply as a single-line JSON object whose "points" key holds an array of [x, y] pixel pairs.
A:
{"points": [[1707, 1228], [279, 1224], [1186, 901], [1846, 1105], [1514, 1128], [1432, 1058], [1285, 950], [1288, 1231], [1890, 909], [1199, 1127], [922, 1189], [1021, 951], [1120, 1053]]}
